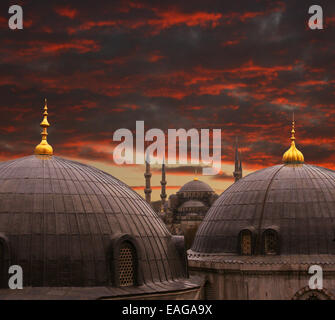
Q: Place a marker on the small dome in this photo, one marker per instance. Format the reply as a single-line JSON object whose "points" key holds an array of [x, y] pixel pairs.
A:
{"points": [[196, 186], [192, 204], [297, 201], [60, 218]]}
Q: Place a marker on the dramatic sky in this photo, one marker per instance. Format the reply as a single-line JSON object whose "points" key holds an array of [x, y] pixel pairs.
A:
{"points": [[239, 66]]}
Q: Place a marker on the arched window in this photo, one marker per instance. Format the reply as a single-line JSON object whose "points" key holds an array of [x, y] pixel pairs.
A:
{"points": [[270, 241], [246, 242], [127, 265]]}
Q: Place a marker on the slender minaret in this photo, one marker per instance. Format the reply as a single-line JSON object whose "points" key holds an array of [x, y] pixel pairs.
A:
{"points": [[238, 164], [163, 184], [147, 176]]}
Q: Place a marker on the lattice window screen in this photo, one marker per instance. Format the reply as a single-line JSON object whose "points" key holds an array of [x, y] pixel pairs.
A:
{"points": [[127, 265], [246, 243], [270, 242]]}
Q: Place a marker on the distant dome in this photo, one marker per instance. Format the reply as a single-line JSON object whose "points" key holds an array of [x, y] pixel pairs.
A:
{"points": [[59, 219], [192, 204], [297, 202], [196, 186]]}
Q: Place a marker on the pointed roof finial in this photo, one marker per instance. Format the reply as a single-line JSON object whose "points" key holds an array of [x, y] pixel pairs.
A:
{"points": [[293, 155], [237, 155], [44, 148], [238, 162], [196, 174]]}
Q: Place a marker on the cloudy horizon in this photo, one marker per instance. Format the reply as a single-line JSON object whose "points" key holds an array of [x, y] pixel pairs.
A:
{"points": [[242, 67]]}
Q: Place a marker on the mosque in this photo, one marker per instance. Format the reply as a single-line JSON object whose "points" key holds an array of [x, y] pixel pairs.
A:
{"points": [[80, 233], [185, 210]]}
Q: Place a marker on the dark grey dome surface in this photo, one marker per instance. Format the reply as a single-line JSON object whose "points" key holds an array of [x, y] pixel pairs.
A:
{"points": [[197, 186], [192, 204], [296, 200], [59, 217]]}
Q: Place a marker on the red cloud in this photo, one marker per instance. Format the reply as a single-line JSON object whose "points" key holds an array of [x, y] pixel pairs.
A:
{"points": [[9, 129], [312, 83], [216, 89], [155, 56], [67, 12], [163, 20], [3, 22], [38, 48], [167, 19]]}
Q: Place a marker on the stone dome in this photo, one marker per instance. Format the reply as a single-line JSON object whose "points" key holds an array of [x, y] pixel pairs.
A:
{"points": [[195, 186], [296, 201], [60, 221], [192, 204]]}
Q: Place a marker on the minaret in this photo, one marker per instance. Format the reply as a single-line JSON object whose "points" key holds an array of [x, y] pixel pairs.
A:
{"points": [[44, 147], [163, 184], [147, 176], [238, 164]]}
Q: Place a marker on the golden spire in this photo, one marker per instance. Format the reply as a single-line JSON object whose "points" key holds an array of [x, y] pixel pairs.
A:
{"points": [[196, 173], [44, 148], [293, 155]]}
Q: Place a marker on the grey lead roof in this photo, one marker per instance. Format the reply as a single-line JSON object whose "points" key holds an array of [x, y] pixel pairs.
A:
{"points": [[59, 217], [192, 204], [298, 201]]}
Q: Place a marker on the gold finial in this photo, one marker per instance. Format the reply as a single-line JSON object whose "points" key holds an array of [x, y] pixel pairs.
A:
{"points": [[196, 173], [293, 155], [44, 148]]}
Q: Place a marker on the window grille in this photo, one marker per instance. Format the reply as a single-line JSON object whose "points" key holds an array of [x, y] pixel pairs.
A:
{"points": [[271, 242], [246, 242], [127, 265]]}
